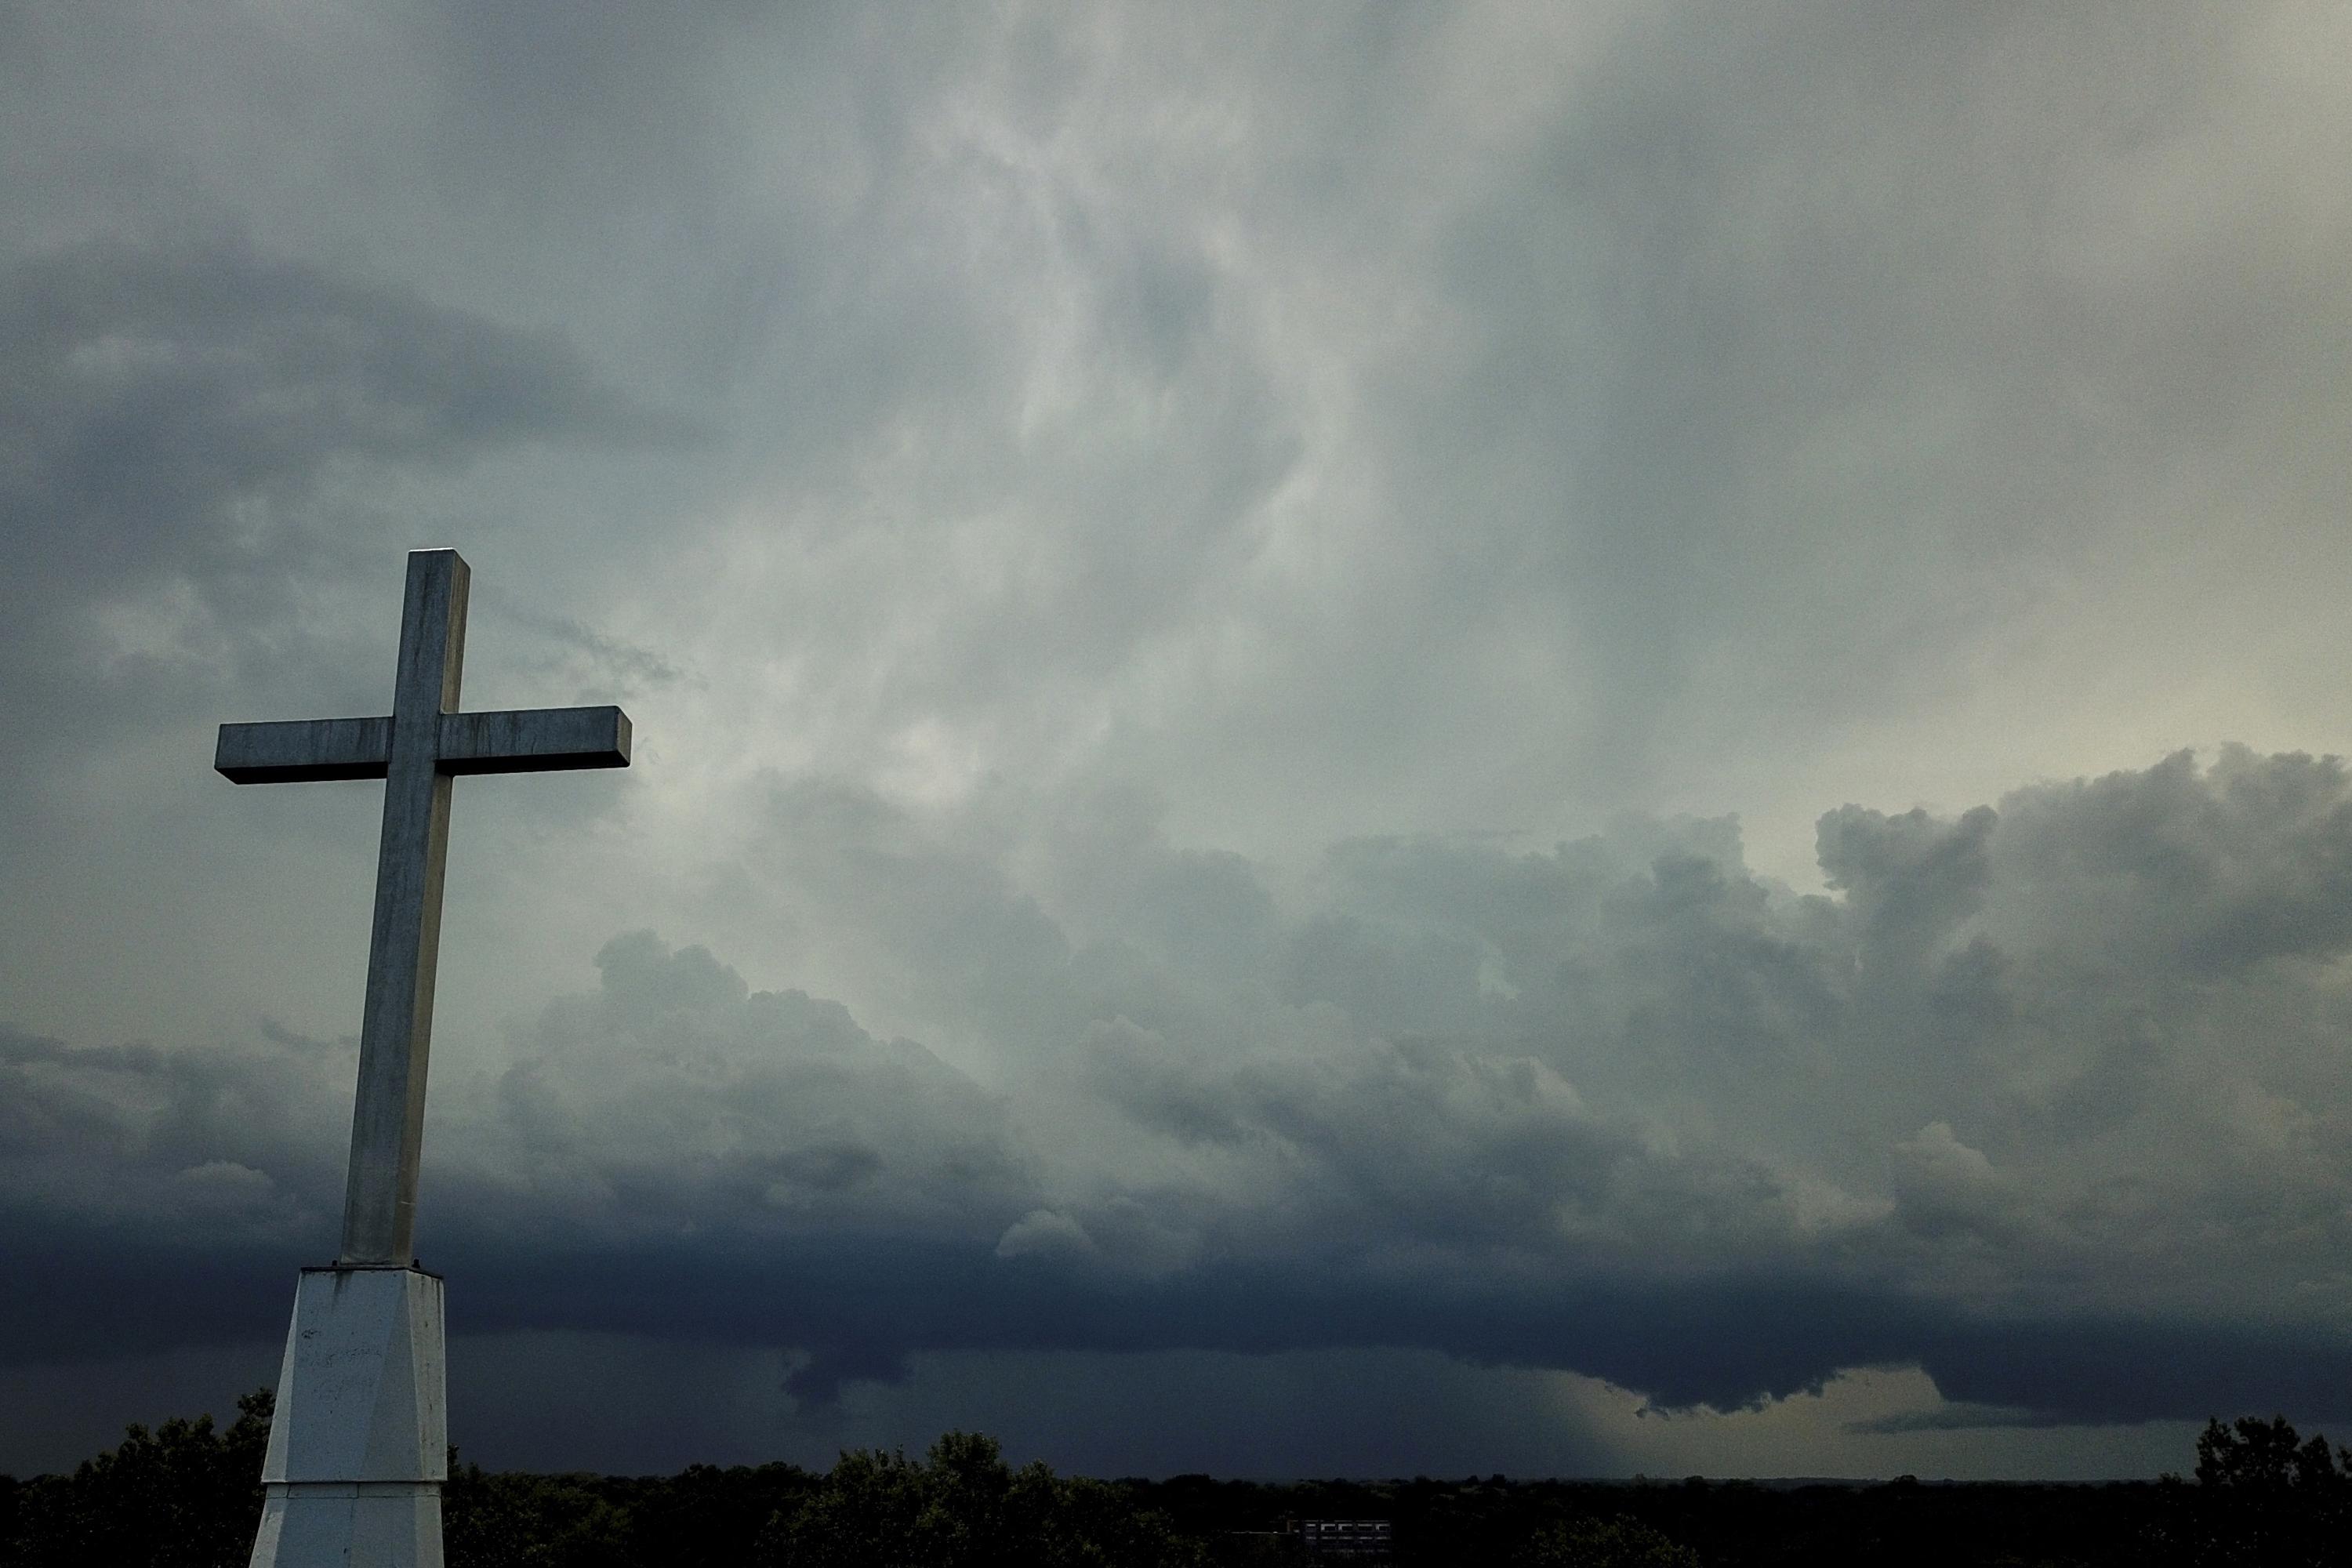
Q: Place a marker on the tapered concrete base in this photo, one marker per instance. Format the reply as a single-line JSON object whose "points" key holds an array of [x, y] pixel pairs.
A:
{"points": [[331, 1523], [359, 1444]]}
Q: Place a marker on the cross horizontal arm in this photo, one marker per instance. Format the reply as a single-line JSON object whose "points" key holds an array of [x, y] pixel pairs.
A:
{"points": [[534, 740], [304, 749], [521, 741]]}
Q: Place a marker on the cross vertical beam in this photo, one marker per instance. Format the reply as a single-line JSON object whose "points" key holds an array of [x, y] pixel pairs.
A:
{"points": [[405, 942], [417, 750]]}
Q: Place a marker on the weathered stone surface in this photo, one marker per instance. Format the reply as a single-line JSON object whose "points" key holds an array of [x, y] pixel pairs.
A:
{"points": [[359, 1448], [349, 1526]]}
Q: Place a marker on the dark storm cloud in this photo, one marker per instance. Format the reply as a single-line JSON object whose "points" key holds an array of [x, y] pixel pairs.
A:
{"points": [[188, 435], [141, 1142], [117, 1161], [675, 1100], [1997, 1111], [1148, 448], [153, 387]]}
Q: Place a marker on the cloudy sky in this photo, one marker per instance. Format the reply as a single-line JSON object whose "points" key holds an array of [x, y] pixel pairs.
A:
{"points": [[1563, 739]]}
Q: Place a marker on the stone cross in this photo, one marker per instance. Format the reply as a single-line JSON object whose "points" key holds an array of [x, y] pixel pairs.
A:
{"points": [[416, 751]]}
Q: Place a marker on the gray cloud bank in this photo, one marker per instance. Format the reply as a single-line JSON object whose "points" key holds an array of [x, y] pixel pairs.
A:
{"points": [[1136, 449], [2049, 1099]]}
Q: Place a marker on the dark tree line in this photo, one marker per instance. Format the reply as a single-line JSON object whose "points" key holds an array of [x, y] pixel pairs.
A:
{"points": [[182, 1496], [186, 1495]]}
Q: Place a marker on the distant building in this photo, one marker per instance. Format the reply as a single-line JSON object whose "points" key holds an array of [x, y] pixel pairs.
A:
{"points": [[1366, 1540]]}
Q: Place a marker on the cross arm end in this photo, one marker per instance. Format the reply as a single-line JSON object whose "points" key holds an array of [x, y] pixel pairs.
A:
{"points": [[303, 750], [534, 740]]}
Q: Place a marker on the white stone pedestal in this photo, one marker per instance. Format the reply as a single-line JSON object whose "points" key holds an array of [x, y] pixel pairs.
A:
{"points": [[359, 1444]]}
